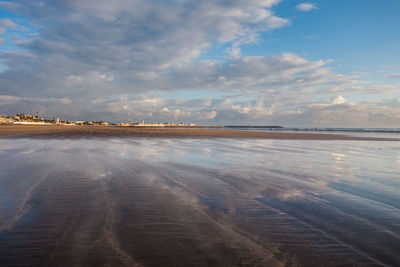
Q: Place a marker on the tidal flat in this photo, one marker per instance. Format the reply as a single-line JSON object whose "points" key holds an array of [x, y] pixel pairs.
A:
{"points": [[138, 201]]}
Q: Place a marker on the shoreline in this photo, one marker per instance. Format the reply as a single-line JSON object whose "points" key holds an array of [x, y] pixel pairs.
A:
{"points": [[76, 132]]}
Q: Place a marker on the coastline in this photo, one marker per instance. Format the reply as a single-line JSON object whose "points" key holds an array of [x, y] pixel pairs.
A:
{"points": [[55, 131]]}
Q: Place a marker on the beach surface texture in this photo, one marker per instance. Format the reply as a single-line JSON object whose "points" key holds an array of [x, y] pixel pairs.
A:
{"points": [[113, 131], [120, 196]]}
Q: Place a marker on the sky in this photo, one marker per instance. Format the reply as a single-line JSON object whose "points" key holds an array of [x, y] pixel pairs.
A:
{"points": [[245, 62]]}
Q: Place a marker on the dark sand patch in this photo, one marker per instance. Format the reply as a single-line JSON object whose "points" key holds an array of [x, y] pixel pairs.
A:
{"points": [[111, 131]]}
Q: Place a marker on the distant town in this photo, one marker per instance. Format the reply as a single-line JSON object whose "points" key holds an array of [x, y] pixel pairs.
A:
{"points": [[38, 120]]}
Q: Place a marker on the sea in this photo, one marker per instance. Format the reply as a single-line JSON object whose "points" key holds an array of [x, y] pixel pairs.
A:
{"points": [[200, 201], [302, 129]]}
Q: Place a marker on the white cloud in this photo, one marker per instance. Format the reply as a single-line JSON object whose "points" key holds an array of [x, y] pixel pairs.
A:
{"points": [[7, 5], [5, 24], [339, 100], [144, 34], [306, 7], [155, 108], [8, 99]]}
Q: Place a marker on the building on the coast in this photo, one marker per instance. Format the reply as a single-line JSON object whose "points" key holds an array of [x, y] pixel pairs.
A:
{"points": [[6, 120], [35, 119], [28, 118], [32, 122], [125, 124], [164, 124], [24, 119]]}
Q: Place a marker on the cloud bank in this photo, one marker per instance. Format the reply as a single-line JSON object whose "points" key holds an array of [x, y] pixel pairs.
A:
{"points": [[133, 60]]}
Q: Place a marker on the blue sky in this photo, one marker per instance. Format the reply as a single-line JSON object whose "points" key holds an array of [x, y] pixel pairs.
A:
{"points": [[354, 33], [293, 63], [359, 35]]}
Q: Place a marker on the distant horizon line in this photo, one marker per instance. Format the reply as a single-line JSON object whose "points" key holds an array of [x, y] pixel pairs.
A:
{"points": [[173, 124]]}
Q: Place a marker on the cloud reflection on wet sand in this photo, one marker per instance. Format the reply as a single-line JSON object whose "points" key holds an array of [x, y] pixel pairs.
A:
{"points": [[217, 202]]}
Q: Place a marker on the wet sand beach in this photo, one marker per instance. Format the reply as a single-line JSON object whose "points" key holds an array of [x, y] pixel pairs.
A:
{"points": [[196, 201], [114, 131]]}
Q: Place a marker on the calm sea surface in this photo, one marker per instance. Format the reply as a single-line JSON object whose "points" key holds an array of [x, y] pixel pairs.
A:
{"points": [[199, 202]]}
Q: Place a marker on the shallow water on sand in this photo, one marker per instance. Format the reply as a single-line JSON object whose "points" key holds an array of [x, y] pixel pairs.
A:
{"points": [[197, 202]]}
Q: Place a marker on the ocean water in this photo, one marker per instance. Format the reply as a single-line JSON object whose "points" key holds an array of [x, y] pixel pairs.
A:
{"points": [[199, 202], [317, 129]]}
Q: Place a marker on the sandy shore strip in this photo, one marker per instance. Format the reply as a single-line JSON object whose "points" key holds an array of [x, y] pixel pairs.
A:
{"points": [[30, 131]]}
